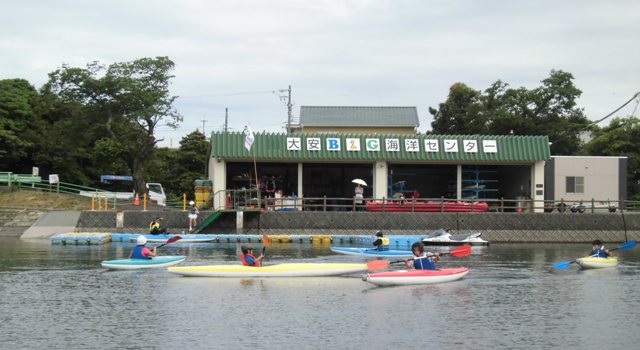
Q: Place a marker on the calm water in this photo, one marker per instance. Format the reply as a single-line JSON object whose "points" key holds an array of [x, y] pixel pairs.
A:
{"points": [[58, 297]]}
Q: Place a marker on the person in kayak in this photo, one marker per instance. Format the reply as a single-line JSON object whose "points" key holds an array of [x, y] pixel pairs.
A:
{"points": [[247, 257], [140, 251], [422, 260], [599, 250], [380, 242], [154, 226]]}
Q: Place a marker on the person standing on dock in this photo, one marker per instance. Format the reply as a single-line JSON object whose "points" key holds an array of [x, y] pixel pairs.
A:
{"points": [[193, 215], [140, 251], [358, 196], [247, 257], [422, 260], [380, 241]]}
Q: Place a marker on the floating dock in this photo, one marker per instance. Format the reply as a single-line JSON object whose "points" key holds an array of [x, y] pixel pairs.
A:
{"points": [[81, 238], [85, 238]]}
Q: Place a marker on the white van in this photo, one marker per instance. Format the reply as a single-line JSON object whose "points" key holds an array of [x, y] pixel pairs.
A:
{"points": [[156, 193]]}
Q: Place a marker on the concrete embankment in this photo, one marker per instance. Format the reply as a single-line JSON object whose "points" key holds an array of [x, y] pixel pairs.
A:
{"points": [[495, 227]]}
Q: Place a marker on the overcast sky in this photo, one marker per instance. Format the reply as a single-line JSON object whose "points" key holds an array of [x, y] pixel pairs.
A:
{"points": [[239, 54]]}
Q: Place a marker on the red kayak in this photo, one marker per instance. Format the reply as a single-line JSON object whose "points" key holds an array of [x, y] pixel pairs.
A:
{"points": [[401, 277], [431, 207]]}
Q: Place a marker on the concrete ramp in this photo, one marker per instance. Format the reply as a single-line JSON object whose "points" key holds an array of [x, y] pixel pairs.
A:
{"points": [[51, 223]]}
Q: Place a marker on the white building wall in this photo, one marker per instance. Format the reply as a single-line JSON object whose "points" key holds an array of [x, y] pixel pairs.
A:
{"points": [[601, 177]]}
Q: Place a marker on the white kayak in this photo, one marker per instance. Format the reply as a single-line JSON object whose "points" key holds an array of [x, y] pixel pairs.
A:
{"points": [[279, 270], [408, 277], [592, 262], [155, 262]]}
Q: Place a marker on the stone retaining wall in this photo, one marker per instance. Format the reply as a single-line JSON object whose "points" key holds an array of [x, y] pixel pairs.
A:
{"points": [[495, 227]]}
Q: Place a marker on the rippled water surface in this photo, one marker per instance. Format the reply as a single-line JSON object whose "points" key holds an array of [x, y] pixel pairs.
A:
{"points": [[59, 297]]}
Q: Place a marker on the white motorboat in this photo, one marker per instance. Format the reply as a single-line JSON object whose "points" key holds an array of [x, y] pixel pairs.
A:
{"points": [[444, 237]]}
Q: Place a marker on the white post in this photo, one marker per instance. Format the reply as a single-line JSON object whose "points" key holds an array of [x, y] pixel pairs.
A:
{"points": [[218, 176], [380, 180], [537, 186], [300, 194]]}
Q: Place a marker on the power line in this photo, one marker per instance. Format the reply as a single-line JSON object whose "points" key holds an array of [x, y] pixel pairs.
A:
{"points": [[230, 94], [617, 109]]}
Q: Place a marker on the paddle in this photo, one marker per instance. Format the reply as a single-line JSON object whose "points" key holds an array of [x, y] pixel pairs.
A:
{"points": [[459, 252], [377, 265], [266, 241], [170, 240], [623, 246]]}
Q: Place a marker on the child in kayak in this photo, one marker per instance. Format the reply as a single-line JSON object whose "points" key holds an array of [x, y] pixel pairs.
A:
{"points": [[247, 257], [381, 242], [140, 251], [599, 250], [422, 261]]}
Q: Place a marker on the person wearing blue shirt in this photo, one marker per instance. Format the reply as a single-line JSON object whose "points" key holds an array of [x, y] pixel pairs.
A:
{"points": [[599, 250], [422, 260]]}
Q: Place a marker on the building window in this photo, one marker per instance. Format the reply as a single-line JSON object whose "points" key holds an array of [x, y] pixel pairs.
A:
{"points": [[575, 184]]}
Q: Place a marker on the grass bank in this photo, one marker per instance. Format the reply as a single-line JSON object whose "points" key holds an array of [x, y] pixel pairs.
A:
{"points": [[29, 199]]}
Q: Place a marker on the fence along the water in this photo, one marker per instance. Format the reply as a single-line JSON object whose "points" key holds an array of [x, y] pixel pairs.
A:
{"points": [[238, 200]]}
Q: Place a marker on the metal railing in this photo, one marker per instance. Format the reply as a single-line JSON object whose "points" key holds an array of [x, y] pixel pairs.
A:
{"points": [[237, 200]]}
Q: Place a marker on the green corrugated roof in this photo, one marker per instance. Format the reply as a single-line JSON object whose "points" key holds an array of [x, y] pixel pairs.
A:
{"points": [[273, 146], [358, 116]]}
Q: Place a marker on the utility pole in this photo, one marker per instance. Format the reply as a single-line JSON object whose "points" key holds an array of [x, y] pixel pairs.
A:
{"points": [[289, 113], [226, 119], [203, 122], [289, 107]]}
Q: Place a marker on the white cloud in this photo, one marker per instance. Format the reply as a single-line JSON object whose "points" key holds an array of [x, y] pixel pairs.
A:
{"points": [[235, 53]]}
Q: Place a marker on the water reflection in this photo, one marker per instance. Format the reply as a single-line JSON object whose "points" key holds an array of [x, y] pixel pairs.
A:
{"points": [[60, 297]]}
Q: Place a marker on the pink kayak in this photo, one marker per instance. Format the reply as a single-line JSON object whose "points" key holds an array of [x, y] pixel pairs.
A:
{"points": [[401, 277]]}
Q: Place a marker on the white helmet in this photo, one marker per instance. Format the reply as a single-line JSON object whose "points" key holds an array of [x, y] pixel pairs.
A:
{"points": [[192, 203], [142, 240]]}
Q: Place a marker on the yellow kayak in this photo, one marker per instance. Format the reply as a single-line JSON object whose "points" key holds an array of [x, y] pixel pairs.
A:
{"points": [[280, 270], [589, 262]]}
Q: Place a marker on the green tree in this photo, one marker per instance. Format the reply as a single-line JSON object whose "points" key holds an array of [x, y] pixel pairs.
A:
{"points": [[127, 101], [18, 100], [461, 113], [620, 138], [177, 169], [499, 110]]}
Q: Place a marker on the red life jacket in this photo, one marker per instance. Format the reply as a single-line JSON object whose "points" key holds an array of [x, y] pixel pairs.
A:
{"points": [[246, 263]]}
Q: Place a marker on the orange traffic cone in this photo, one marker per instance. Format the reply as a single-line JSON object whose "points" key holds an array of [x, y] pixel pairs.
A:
{"points": [[136, 200]]}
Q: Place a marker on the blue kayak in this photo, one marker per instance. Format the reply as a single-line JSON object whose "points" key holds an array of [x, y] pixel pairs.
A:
{"points": [[372, 252], [130, 264]]}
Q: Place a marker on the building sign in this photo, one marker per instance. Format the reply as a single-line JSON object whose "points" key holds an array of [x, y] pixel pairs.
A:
{"points": [[353, 145], [409, 145], [373, 145], [314, 144], [392, 145], [490, 146], [431, 146], [451, 146], [293, 144], [333, 143], [470, 146]]}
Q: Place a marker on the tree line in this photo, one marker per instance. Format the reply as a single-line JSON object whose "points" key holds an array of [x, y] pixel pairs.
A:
{"points": [[95, 120], [88, 121]]}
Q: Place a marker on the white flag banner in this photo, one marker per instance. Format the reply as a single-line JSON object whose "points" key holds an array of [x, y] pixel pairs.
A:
{"points": [[248, 137]]}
